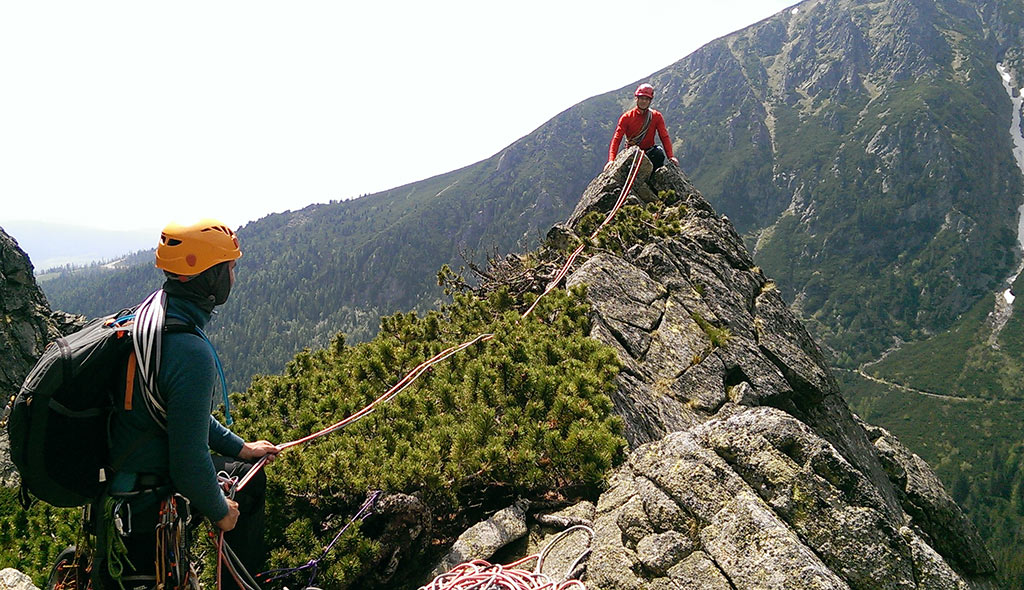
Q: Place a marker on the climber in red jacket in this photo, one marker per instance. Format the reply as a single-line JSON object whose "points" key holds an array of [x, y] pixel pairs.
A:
{"points": [[638, 127]]}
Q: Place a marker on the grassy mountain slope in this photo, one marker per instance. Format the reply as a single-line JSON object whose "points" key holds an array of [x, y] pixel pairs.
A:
{"points": [[859, 145], [884, 126], [957, 400]]}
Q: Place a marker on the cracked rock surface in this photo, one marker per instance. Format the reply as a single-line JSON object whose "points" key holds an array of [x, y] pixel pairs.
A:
{"points": [[747, 469]]}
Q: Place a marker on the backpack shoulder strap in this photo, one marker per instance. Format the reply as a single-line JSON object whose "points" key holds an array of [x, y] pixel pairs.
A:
{"points": [[176, 324]]}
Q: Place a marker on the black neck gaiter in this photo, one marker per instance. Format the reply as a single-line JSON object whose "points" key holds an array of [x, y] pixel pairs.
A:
{"points": [[208, 289]]}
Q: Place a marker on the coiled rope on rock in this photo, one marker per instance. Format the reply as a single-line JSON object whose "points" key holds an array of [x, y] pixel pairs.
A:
{"points": [[481, 575]]}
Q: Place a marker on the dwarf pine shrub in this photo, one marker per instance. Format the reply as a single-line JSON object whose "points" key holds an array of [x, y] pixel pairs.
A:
{"points": [[633, 225], [30, 540], [524, 414]]}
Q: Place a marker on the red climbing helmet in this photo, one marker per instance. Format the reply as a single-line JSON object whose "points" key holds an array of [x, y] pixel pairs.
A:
{"points": [[645, 90]]}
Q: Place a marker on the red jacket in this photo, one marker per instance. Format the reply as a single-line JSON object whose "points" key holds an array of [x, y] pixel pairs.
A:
{"points": [[631, 122]]}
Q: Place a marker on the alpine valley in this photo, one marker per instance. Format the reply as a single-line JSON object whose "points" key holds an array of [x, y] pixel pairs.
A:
{"points": [[863, 149]]}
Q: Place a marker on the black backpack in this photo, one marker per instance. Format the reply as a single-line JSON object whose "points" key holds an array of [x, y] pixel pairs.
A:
{"points": [[59, 422]]}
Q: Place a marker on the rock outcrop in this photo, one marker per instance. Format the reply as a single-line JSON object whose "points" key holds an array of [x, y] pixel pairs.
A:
{"points": [[747, 468], [12, 579], [28, 325]]}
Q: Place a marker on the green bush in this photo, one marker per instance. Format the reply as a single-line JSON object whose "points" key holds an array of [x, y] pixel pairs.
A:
{"points": [[30, 540], [524, 414], [634, 225]]}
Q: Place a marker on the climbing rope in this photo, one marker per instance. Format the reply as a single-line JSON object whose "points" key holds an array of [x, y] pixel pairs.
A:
{"points": [[395, 390], [422, 367], [314, 564], [114, 550], [479, 574], [634, 169], [419, 370]]}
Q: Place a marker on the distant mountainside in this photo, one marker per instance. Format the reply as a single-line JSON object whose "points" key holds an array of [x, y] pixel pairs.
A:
{"points": [[860, 146], [666, 397], [48, 244]]}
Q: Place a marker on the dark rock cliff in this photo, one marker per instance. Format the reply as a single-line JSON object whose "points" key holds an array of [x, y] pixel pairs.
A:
{"points": [[748, 470], [28, 325]]}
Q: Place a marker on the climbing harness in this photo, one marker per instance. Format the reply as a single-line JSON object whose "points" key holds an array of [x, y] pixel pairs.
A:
{"points": [[479, 574], [173, 562]]}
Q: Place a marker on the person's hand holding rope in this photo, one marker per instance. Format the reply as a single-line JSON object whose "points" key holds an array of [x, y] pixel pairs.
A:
{"points": [[231, 518], [258, 450]]}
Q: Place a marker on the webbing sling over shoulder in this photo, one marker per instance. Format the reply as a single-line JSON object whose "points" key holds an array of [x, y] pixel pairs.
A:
{"points": [[636, 139]]}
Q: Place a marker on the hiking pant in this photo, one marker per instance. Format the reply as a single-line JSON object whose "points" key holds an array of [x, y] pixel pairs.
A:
{"points": [[656, 155], [246, 539]]}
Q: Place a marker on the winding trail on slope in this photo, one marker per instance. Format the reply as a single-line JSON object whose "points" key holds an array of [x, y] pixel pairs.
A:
{"points": [[953, 398]]}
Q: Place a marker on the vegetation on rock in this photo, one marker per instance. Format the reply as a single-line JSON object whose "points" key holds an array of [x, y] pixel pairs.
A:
{"points": [[526, 414]]}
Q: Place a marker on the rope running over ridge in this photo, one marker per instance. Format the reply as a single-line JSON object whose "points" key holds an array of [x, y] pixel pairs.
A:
{"points": [[477, 568], [422, 367]]}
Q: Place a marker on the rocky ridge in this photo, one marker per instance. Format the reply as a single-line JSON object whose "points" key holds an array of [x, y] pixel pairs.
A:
{"points": [[747, 469]]}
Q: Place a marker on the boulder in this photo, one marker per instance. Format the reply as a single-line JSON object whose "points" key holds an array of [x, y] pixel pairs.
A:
{"points": [[483, 539], [12, 579], [604, 191]]}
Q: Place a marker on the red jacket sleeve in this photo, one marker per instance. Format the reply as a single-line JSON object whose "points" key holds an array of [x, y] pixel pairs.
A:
{"points": [[613, 149], [663, 134]]}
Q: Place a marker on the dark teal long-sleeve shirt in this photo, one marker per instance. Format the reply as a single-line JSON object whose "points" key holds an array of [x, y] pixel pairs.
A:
{"points": [[189, 384]]}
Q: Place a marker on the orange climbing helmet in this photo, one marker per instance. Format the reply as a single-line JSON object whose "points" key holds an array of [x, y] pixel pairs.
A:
{"points": [[645, 90], [187, 250]]}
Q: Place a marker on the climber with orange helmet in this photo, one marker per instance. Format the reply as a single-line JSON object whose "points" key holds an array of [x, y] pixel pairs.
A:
{"points": [[164, 439], [638, 126]]}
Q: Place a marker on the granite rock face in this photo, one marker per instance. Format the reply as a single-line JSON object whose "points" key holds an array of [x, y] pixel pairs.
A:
{"points": [[482, 540], [12, 579], [747, 469], [28, 325]]}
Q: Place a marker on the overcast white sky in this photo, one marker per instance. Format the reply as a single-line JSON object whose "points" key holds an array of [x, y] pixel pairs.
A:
{"points": [[132, 114]]}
